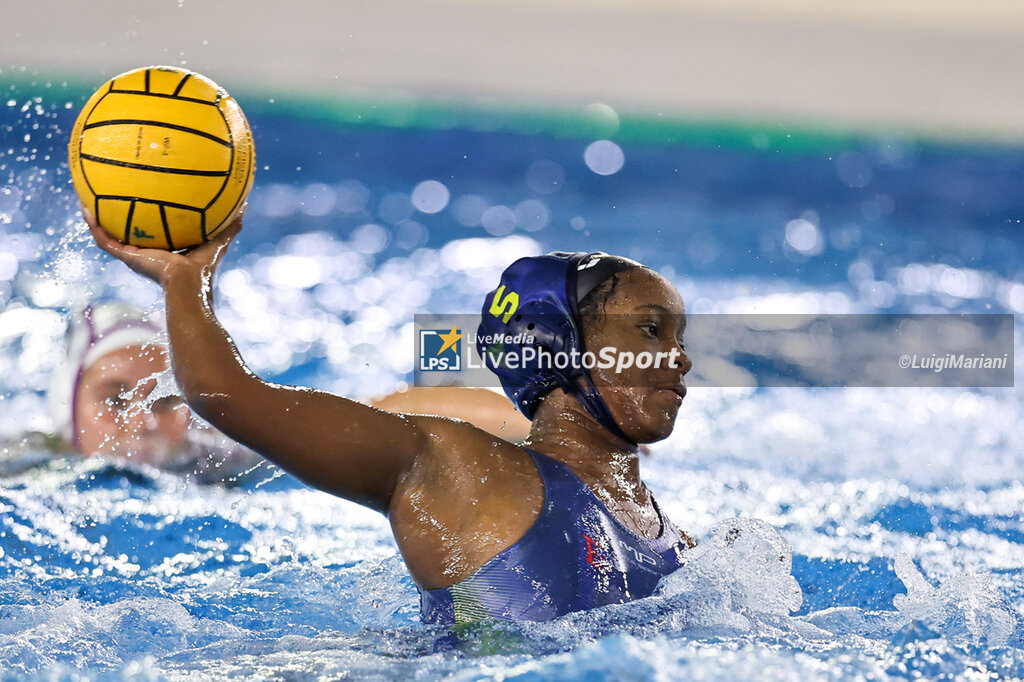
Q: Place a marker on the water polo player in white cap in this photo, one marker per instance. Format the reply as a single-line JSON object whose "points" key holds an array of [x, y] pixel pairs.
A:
{"points": [[100, 395]]}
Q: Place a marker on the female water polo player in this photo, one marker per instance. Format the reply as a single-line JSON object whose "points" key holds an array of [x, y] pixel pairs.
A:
{"points": [[98, 392], [486, 528], [105, 400]]}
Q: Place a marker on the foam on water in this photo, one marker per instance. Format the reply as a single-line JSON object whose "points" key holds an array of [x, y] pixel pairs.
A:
{"points": [[739, 578], [966, 606], [114, 567], [856, 533]]}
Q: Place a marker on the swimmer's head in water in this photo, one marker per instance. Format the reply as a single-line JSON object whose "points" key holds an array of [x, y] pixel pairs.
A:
{"points": [[540, 298], [98, 396]]}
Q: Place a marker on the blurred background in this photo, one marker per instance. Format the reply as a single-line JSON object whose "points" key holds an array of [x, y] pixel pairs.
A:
{"points": [[765, 155], [941, 67]]}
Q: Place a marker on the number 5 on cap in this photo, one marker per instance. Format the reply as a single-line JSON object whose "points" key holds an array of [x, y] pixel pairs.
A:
{"points": [[506, 306]]}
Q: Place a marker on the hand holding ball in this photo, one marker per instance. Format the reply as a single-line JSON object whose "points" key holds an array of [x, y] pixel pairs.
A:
{"points": [[162, 157]]}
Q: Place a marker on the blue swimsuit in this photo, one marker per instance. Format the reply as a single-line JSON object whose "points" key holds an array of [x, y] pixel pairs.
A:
{"points": [[575, 556]]}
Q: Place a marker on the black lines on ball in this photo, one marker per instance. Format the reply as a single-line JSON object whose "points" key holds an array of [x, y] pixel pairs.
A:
{"points": [[167, 229], [92, 111], [85, 176], [157, 124], [227, 178], [181, 84], [168, 204], [157, 169], [128, 223], [165, 96]]}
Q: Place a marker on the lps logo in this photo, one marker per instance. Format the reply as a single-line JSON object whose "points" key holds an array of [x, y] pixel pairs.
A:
{"points": [[440, 351]]}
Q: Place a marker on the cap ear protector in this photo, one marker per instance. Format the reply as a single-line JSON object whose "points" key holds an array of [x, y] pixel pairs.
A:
{"points": [[536, 305]]}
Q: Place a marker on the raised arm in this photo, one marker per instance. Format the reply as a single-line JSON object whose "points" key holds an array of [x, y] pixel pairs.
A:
{"points": [[332, 443]]}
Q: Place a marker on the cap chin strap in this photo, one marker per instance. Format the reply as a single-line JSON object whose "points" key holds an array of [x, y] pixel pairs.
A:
{"points": [[590, 398], [585, 275]]}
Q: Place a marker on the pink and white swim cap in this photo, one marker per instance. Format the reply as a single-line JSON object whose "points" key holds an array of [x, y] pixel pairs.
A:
{"points": [[95, 331]]}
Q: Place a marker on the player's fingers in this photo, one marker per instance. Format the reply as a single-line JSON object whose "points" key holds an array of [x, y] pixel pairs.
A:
{"points": [[90, 219], [230, 232], [103, 238], [149, 263], [229, 236]]}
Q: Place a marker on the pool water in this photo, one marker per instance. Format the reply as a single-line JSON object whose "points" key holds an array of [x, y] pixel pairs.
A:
{"points": [[881, 530]]}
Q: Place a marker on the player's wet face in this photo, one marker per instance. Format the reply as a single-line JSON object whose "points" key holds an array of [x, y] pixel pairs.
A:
{"points": [[112, 414], [644, 314]]}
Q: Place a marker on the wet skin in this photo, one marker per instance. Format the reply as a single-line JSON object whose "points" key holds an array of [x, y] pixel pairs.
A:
{"points": [[454, 494], [112, 417]]}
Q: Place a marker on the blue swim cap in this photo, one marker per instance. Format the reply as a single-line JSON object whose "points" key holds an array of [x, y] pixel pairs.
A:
{"points": [[537, 304]]}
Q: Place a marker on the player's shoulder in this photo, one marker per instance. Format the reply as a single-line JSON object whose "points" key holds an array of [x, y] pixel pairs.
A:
{"points": [[454, 447]]}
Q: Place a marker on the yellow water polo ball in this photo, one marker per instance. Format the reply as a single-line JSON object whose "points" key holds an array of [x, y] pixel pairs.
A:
{"points": [[163, 157]]}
